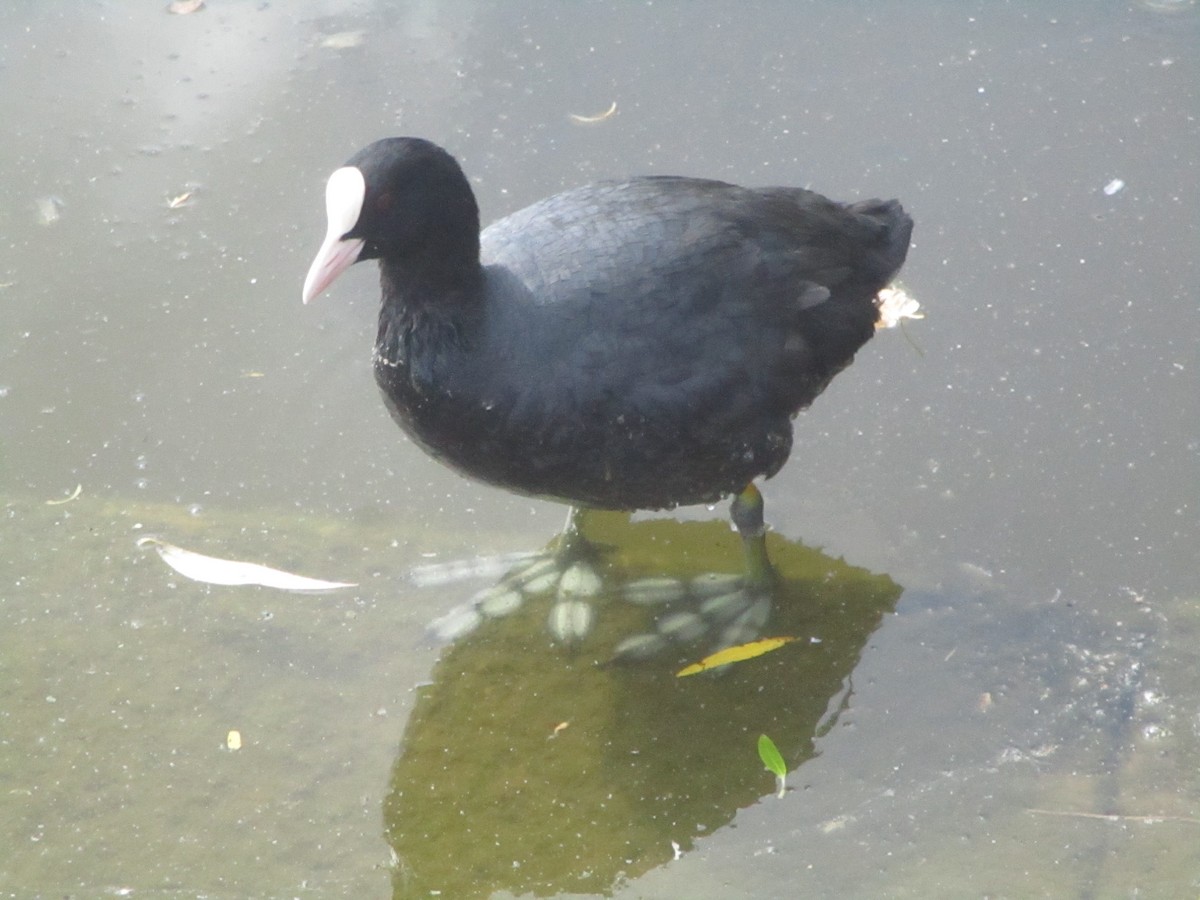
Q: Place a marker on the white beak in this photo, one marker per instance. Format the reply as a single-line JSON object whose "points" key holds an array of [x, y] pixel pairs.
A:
{"points": [[344, 195]]}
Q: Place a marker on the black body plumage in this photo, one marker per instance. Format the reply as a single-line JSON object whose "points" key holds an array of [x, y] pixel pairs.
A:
{"points": [[627, 344]]}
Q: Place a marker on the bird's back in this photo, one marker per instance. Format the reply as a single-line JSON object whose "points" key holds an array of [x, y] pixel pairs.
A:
{"points": [[739, 297]]}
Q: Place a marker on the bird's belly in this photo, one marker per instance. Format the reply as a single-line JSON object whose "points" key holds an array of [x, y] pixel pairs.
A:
{"points": [[608, 461]]}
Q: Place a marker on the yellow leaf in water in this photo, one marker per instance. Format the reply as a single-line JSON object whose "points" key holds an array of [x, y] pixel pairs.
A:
{"points": [[233, 740], [211, 570], [739, 653]]}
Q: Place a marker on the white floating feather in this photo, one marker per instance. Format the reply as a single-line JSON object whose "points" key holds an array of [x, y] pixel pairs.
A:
{"points": [[211, 570]]}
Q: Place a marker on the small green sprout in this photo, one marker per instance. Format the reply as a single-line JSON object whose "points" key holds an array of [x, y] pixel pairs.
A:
{"points": [[773, 760]]}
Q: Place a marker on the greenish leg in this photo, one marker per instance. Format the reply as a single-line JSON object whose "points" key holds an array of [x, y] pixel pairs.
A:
{"points": [[571, 542], [746, 510]]}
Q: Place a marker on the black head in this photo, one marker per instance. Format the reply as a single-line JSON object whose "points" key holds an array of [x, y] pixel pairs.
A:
{"points": [[405, 201], [416, 197]]}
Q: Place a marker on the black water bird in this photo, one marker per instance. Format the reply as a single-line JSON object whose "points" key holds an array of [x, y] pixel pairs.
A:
{"points": [[629, 344]]}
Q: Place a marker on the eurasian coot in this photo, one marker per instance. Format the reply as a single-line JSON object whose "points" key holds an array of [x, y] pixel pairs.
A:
{"points": [[633, 344]]}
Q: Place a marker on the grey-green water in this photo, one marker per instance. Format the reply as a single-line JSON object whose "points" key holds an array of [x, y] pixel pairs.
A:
{"points": [[1007, 702]]}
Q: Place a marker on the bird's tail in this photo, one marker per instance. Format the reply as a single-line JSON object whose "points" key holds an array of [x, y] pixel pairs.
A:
{"points": [[894, 234]]}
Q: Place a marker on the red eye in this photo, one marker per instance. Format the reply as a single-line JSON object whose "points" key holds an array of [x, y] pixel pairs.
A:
{"points": [[384, 202]]}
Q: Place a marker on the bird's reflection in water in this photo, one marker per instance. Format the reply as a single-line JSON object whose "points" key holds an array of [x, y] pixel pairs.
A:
{"points": [[534, 764], [578, 576]]}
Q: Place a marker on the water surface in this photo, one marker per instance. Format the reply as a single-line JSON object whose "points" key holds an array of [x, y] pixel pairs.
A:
{"points": [[1007, 704]]}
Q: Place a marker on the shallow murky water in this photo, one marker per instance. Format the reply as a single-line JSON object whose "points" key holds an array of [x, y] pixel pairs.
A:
{"points": [[988, 538]]}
